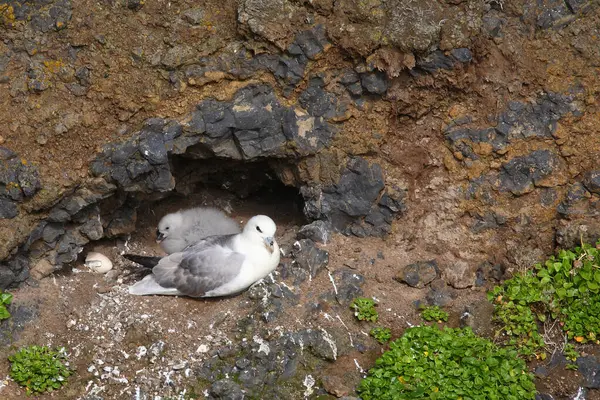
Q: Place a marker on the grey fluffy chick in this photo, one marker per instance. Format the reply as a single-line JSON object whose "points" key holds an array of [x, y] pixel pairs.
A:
{"points": [[178, 230]]}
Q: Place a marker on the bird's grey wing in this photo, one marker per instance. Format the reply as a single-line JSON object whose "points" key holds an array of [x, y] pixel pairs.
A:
{"points": [[199, 269], [213, 240]]}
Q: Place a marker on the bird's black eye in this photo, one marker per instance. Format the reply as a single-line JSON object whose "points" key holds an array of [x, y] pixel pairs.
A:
{"points": [[167, 228], [258, 229]]}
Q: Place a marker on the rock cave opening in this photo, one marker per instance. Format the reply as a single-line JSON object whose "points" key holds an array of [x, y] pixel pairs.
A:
{"points": [[240, 189]]}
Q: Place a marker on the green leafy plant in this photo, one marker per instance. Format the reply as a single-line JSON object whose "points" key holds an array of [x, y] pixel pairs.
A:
{"points": [[382, 335], [39, 369], [566, 287], [364, 309], [434, 313], [571, 354], [432, 363], [5, 300]]}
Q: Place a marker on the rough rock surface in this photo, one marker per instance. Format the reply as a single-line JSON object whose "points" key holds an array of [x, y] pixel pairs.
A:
{"points": [[459, 131]]}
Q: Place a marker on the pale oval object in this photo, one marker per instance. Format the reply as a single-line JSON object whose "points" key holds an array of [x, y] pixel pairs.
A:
{"points": [[98, 263]]}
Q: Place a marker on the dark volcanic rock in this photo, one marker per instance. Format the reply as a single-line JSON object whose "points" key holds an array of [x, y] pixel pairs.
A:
{"points": [[8, 209], [348, 284], [418, 275], [20, 315], [253, 125], [43, 15], [353, 196], [289, 68], [309, 257], [520, 121], [521, 174], [317, 231], [440, 294], [571, 233], [589, 367], [356, 204], [438, 60], [317, 101], [374, 82], [18, 180], [592, 181], [227, 390]]}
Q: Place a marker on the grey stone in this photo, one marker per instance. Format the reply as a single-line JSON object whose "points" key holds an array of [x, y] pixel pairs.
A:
{"points": [[226, 389], [489, 272], [289, 70], [193, 16], [592, 181], [83, 75], [439, 293], [352, 197], [348, 77], [571, 233], [478, 316], [460, 274], [57, 214], [252, 377], [8, 209], [7, 277], [492, 24], [92, 229], [218, 118], [519, 121], [309, 257], [321, 344], [462, 55], [261, 143], [29, 179], [6, 154], [374, 82], [123, 152], [289, 270], [311, 42], [435, 61], [317, 101], [196, 125], [348, 285], [20, 316], [418, 275], [52, 232], [160, 179], [577, 6], [551, 12], [589, 367], [355, 88], [242, 363], [309, 134], [69, 247], [137, 168], [122, 222], [317, 231], [152, 148], [521, 174]]}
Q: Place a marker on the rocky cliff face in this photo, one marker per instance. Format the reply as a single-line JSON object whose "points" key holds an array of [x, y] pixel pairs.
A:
{"points": [[467, 130]]}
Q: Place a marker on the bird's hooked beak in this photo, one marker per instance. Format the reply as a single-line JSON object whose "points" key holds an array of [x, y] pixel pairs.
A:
{"points": [[269, 241], [159, 236]]}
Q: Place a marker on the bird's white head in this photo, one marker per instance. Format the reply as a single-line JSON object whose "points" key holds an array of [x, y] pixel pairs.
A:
{"points": [[168, 224], [261, 228]]}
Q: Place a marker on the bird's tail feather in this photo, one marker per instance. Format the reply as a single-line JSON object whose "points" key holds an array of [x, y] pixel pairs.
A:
{"points": [[148, 286], [146, 261]]}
